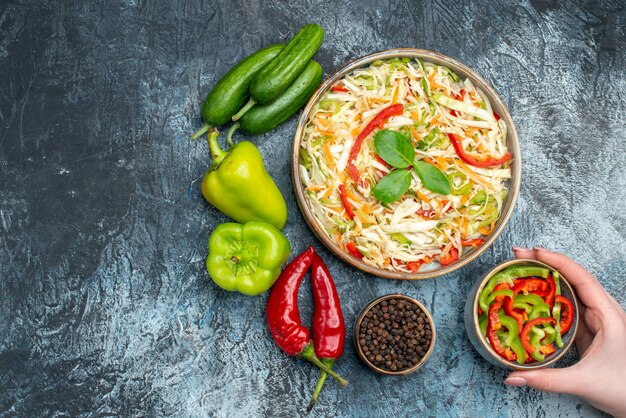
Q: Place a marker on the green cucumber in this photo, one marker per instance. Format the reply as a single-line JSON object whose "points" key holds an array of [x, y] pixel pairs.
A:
{"points": [[263, 118], [232, 91], [274, 79]]}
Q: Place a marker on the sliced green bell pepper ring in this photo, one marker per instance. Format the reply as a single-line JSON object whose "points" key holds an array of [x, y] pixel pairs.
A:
{"points": [[482, 324], [239, 186], [517, 304], [246, 257], [541, 310], [556, 314], [464, 186], [507, 276], [332, 106], [550, 335], [530, 299], [512, 340], [499, 293], [525, 336], [552, 292]]}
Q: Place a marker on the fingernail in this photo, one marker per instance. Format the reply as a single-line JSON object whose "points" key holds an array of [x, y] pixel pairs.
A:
{"points": [[520, 249], [515, 381], [539, 249]]}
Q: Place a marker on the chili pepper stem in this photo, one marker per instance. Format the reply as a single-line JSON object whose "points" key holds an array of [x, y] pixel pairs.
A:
{"points": [[200, 132], [320, 382], [308, 353], [244, 109], [217, 154], [229, 135]]}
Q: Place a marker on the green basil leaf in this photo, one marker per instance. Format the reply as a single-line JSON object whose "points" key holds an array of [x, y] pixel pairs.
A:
{"points": [[432, 178], [394, 148], [392, 186]]}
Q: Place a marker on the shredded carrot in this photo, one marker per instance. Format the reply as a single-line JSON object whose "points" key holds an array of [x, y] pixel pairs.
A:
{"points": [[355, 131], [316, 187], [414, 115], [442, 163], [329, 156], [387, 261], [464, 199], [337, 236], [422, 196], [394, 96], [434, 120], [472, 174], [327, 133], [328, 192], [483, 230]]}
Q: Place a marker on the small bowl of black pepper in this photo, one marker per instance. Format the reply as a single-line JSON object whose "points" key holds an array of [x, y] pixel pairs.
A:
{"points": [[394, 335]]}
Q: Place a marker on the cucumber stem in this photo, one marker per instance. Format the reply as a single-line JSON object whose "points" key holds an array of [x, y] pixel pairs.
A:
{"points": [[244, 109], [229, 135], [200, 132], [217, 154]]}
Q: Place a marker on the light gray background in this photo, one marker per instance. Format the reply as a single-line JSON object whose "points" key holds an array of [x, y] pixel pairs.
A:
{"points": [[105, 303]]}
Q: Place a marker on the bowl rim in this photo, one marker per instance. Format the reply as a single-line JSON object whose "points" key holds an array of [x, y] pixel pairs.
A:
{"points": [[559, 353], [512, 143], [361, 316]]}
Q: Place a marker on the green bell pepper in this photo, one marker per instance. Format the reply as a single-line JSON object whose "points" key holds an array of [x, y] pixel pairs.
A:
{"points": [[540, 310], [246, 258], [536, 335], [512, 339], [239, 186], [507, 276], [463, 187], [530, 299]]}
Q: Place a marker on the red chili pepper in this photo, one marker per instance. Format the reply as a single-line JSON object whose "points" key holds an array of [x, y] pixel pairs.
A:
{"points": [[339, 87], [377, 122], [353, 250], [526, 330], [495, 115], [380, 160], [567, 313], [476, 242], [329, 331], [489, 162], [344, 200], [449, 258], [283, 315], [550, 298]]}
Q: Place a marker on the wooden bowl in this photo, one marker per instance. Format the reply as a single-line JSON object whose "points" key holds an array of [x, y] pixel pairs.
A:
{"points": [[357, 327], [512, 144]]}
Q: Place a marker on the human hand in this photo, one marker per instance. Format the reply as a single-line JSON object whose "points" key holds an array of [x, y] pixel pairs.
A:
{"points": [[600, 375]]}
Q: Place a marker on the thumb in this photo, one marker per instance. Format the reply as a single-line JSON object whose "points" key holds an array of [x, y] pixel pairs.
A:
{"points": [[547, 380]]}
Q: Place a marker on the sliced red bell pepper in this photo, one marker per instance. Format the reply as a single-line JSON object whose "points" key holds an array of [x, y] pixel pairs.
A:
{"points": [[567, 313], [476, 242], [497, 346], [353, 250], [339, 87], [449, 258], [377, 122], [510, 311], [488, 162], [494, 308], [428, 214], [528, 285], [525, 337], [552, 293], [495, 115], [344, 200], [547, 349], [414, 266]]}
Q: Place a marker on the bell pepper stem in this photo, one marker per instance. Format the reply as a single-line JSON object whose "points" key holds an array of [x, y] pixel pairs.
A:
{"points": [[308, 353], [201, 131], [244, 109], [217, 154], [320, 382], [229, 135]]}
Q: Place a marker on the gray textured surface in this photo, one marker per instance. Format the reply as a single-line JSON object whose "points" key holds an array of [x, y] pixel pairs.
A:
{"points": [[105, 306]]}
